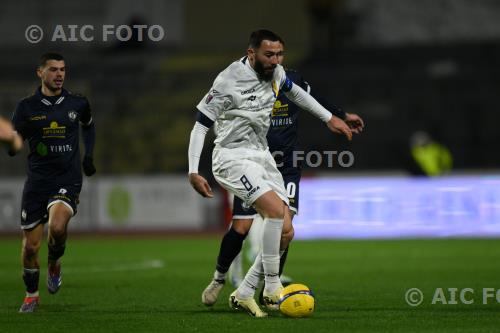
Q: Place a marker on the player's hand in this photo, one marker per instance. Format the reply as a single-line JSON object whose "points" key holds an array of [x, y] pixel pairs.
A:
{"points": [[7, 134], [13, 141], [355, 123], [337, 125], [88, 166], [200, 184]]}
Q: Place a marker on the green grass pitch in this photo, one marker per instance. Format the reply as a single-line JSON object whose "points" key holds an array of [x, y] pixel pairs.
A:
{"points": [[153, 284]]}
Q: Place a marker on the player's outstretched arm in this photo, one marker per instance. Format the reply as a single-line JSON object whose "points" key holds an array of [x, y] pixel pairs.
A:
{"points": [[355, 122], [196, 141], [8, 136], [200, 184], [337, 125], [305, 101]]}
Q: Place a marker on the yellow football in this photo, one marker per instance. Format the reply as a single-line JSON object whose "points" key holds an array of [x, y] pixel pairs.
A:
{"points": [[296, 300]]}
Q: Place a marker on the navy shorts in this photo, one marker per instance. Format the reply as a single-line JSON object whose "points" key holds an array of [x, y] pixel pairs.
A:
{"points": [[291, 177], [37, 200]]}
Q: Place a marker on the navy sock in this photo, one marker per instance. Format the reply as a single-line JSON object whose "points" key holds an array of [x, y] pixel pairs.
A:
{"points": [[56, 251], [229, 248], [31, 277], [283, 260]]}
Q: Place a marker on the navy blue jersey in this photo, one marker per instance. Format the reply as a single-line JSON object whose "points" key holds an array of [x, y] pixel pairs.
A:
{"points": [[283, 132], [51, 125]]}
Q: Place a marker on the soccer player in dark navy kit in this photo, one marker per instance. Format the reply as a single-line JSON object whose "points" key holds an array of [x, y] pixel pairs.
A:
{"points": [[49, 121], [282, 141]]}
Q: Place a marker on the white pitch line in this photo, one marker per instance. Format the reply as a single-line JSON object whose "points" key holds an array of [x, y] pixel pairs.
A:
{"points": [[125, 267]]}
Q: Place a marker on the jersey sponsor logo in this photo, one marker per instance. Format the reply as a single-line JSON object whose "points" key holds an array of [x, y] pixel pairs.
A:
{"points": [[249, 91], [35, 118], [255, 189], [61, 148], [72, 115], [252, 98], [281, 122], [54, 131], [280, 109]]}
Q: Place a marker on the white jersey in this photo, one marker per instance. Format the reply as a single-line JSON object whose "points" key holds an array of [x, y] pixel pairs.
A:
{"points": [[241, 104]]}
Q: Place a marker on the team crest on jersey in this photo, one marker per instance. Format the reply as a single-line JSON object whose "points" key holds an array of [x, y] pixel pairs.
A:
{"points": [[72, 115]]}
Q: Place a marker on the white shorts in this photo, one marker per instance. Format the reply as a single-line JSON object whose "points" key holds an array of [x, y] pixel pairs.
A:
{"points": [[247, 173]]}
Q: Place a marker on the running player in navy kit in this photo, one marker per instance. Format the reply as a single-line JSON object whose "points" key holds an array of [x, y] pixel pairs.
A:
{"points": [[49, 121], [283, 141]]}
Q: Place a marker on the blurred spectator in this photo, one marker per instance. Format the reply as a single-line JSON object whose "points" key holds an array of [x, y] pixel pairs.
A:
{"points": [[429, 158]]}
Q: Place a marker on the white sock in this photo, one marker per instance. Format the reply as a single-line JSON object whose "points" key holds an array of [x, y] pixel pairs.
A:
{"points": [[219, 276], [35, 294], [255, 237], [251, 282], [236, 270], [271, 253]]}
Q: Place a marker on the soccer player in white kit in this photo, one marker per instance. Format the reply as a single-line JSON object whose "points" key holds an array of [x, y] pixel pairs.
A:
{"points": [[240, 101]]}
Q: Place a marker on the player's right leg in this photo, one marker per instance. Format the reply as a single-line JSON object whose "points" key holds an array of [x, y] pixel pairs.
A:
{"points": [[255, 238], [230, 247], [243, 221], [33, 217], [32, 239]]}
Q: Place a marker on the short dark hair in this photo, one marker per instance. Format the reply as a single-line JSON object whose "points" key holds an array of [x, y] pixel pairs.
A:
{"points": [[49, 56], [258, 36]]}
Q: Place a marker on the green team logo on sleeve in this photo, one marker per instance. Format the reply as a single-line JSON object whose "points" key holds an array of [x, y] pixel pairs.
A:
{"points": [[41, 149]]}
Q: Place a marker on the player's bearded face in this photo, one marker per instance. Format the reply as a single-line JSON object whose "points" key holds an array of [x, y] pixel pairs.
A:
{"points": [[267, 57], [52, 74]]}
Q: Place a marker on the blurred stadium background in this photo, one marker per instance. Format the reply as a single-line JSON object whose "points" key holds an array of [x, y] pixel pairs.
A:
{"points": [[408, 68], [424, 75]]}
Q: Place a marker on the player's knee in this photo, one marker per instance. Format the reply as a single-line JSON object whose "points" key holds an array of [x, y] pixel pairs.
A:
{"points": [[31, 247], [242, 226], [287, 235], [276, 211], [57, 229]]}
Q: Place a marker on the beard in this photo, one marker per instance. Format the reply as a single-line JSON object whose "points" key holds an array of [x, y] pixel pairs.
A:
{"points": [[261, 71], [52, 86]]}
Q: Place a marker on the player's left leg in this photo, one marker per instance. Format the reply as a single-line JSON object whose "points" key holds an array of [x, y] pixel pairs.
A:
{"points": [[61, 208], [60, 213]]}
